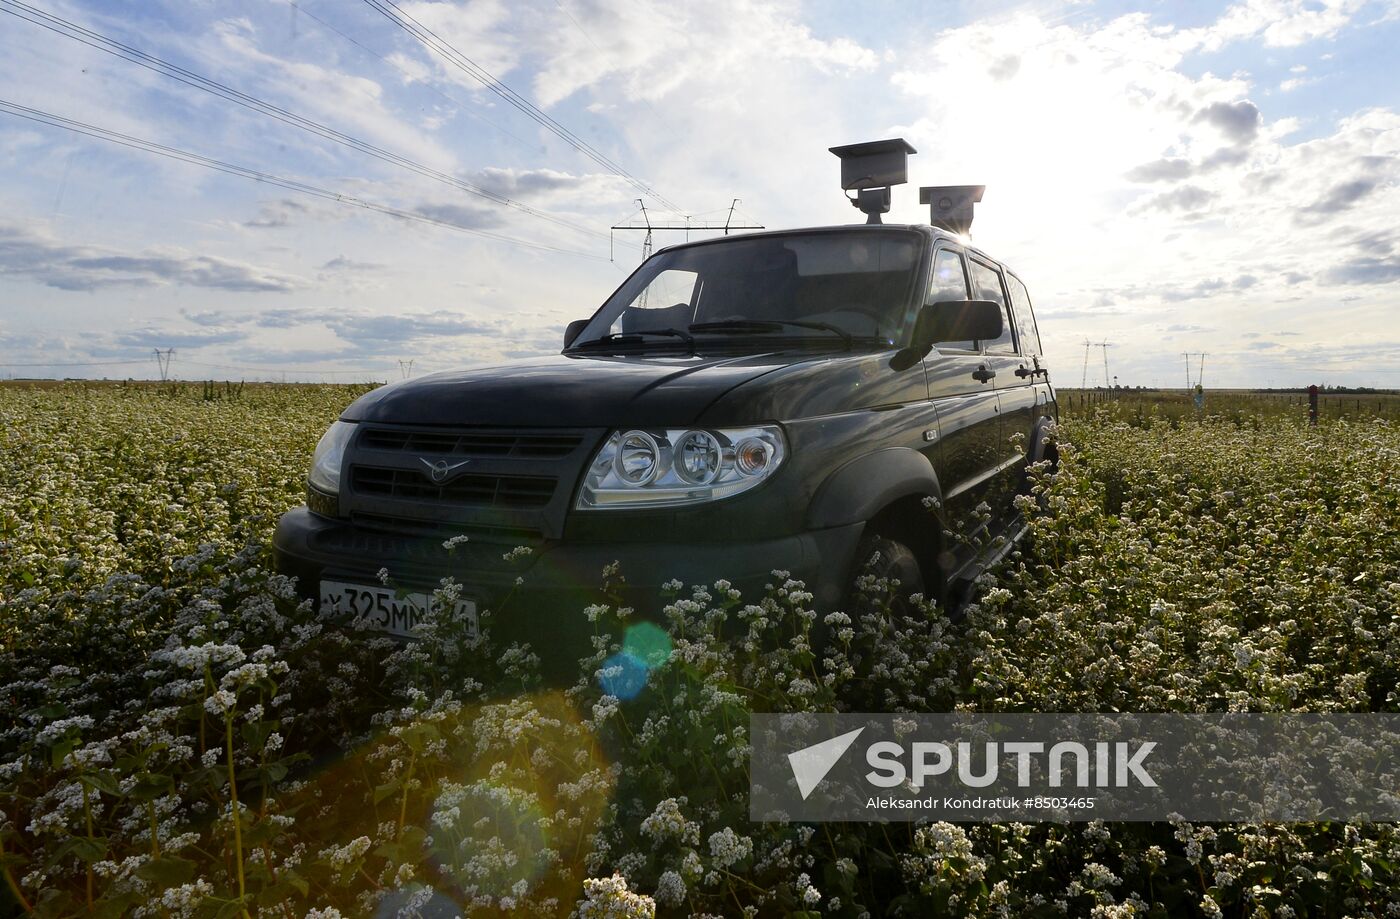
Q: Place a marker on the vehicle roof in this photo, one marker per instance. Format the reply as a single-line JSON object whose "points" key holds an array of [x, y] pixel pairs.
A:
{"points": [[930, 231]]}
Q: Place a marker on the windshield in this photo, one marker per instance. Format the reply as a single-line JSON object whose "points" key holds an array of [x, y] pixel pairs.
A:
{"points": [[843, 285]]}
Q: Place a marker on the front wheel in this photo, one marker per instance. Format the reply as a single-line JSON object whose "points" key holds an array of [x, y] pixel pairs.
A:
{"points": [[885, 558]]}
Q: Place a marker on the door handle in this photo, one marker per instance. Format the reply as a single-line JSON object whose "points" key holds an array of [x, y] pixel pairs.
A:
{"points": [[1023, 371], [983, 374]]}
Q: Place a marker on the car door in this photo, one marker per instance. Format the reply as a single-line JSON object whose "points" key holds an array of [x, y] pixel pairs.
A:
{"points": [[1032, 397], [1015, 394], [965, 399]]}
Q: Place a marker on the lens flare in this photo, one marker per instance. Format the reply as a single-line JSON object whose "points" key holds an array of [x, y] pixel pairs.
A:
{"points": [[648, 643], [623, 675]]}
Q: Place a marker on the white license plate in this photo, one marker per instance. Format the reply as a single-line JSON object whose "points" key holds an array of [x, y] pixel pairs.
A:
{"points": [[383, 609]]}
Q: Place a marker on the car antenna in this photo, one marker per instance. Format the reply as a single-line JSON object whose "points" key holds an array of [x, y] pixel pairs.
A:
{"points": [[870, 170]]}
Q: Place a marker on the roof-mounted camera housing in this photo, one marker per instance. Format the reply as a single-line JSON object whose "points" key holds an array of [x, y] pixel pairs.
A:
{"points": [[870, 169], [950, 206]]}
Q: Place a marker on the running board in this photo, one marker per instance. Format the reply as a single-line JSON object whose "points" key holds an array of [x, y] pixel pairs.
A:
{"points": [[1000, 547]]}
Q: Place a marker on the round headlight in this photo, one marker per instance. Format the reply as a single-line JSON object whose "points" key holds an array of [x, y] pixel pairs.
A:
{"points": [[638, 459], [751, 456], [697, 457]]}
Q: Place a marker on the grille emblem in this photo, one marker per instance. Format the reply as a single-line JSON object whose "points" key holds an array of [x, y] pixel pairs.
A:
{"points": [[440, 470]]}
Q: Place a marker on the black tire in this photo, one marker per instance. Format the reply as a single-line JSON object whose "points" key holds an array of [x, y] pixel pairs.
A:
{"points": [[895, 561]]}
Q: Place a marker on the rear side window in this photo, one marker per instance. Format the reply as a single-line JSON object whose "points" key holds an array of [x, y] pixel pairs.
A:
{"points": [[949, 282], [986, 281], [1025, 319]]}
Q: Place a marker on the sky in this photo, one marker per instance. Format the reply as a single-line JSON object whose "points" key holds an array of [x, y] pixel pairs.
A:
{"points": [[1169, 178]]}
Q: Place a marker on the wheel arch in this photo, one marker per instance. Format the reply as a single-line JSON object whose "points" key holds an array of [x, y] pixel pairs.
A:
{"points": [[860, 489], [887, 491], [1042, 446]]}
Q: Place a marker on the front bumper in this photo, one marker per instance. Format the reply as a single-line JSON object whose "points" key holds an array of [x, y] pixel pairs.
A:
{"points": [[558, 580]]}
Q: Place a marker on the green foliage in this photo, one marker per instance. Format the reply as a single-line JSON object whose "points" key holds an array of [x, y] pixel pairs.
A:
{"points": [[181, 737]]}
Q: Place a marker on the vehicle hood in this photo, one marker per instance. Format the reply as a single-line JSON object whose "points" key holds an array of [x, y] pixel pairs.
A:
{"points": [[570, 390]]}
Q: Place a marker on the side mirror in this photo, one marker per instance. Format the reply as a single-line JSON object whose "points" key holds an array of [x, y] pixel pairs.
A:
{"points": [[572, 330], [950, 320]]}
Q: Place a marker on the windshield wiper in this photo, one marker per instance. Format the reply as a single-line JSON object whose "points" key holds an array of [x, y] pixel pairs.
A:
{"points": [[635, 337], [742, 326]]}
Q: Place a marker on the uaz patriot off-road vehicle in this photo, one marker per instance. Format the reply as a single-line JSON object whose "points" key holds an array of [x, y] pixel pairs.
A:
{"points": [[792, 400]]}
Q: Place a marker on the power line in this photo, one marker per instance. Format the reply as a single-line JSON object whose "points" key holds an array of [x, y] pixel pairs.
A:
{"points": [[691, 222], [601, 52], [432, 41], [108, 45], [461, 106], [144, 360], [195, 159]]}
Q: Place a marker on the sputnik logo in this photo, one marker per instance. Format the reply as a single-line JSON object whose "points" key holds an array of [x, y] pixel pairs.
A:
{"points": [[811, 764]]}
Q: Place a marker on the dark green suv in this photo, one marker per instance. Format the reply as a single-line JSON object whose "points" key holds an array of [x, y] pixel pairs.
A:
{"points": [[796, 401]]}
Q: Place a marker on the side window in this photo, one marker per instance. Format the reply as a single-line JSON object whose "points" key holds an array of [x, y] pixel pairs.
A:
{"points": [[949, 282], [986, 282], [665, 303], [1025, 319]]}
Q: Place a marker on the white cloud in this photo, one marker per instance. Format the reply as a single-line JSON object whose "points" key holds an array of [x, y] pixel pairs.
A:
{"points": [[37, 256], [1142, 195], [354, 104], [1281, 23], [653, 50]]}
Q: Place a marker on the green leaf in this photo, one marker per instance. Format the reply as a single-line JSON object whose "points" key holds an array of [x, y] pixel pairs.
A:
{"points": [[151, 785], [89, 849], [167, 871], [413, 838], [61, 749], [417, 737], [386, 790], [116, 907], [101, 781], [231, 908], [296, 881], [255, 735]]}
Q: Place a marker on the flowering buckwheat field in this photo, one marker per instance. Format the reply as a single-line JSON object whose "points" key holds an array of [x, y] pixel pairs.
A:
{"points": [[180, 738]]}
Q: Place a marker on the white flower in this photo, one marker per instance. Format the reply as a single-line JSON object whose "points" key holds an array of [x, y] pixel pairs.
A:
{"points": [[220, 702], [668, 823], [670, 889], [728, 847], [609, 898], [342, 856]]}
